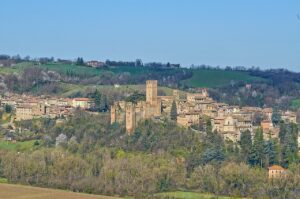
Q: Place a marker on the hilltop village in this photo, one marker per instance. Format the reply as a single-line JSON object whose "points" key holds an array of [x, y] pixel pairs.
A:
{"points": [[191, 108], [228, 120], [29, 107]]}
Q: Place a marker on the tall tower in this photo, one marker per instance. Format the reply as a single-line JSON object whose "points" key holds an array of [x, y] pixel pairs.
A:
{"points": [[113, 118], [130, 117], [151, 91]]}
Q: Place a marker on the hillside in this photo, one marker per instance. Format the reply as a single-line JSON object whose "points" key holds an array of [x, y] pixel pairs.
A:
{"points": [[135, 75], [216, 78], [9, 191]]}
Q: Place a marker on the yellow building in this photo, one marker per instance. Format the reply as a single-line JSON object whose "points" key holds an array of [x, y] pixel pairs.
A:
{"points": [[276, 171], [84, 103]]}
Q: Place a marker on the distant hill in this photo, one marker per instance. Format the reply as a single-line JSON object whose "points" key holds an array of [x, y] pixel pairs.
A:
{"points": [[216, 78]]}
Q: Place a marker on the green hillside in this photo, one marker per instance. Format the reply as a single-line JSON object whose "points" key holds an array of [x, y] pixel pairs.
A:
{"points": [[216, 78], [200, 77]]}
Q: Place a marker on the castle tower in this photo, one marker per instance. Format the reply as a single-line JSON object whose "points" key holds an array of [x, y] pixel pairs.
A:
{"points": [[130, 117], [113, 114], [176, 94], [151, 91]]}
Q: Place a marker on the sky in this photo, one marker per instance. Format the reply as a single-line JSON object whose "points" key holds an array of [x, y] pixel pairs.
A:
{"points": [[264, 33]]}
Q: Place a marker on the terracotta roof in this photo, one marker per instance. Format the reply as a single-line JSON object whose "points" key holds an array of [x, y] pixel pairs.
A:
{"points": [[276, 167], [81, 99]]}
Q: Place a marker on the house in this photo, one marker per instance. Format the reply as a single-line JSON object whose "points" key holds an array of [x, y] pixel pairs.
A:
{"points": [[267, 113], [95, 64], [84, 103], [24, 112], [276, 171], [266, 125], [289, 117], [188, 119]]}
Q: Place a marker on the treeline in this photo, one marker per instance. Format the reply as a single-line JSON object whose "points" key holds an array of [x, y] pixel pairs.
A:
{"points": [[119, 173], [32, 79]]}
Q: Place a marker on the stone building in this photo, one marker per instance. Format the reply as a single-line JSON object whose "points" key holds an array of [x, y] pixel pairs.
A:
{"points": [[154, 106], [84, 103]]}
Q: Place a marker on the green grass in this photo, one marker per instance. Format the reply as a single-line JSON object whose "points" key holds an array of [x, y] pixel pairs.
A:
{"points": [[190, 195], [216, 78], [75, 69], [15, 69], [295, 104], [18, 146], [3, 180]]}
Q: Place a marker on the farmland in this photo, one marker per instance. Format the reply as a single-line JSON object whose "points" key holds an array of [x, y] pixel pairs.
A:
{"points": [[8, 191], [216, 78]]}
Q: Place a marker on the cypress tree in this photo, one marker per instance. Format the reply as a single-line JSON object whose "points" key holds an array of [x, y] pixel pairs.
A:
{"points": [[257, 150], [246, 144], [282, 132], [271, 152], [173, 113]]}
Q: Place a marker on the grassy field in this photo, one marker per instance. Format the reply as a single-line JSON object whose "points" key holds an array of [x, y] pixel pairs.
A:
{"points": [[3, 180], [15, 69], [18, 146], [190, 195], [8, 191], [216, 78]]}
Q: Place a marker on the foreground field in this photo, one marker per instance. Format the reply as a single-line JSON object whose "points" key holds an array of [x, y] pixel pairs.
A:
{"points": [[8, 191], [190, 195]]}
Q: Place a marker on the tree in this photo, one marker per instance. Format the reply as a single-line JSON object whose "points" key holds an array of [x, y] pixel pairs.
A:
{"points": [[282, 132], [8, 108], [80, 61], [246, 144], [271, 152], [100, 101], [289, 151], [173, 113], [61, 139], [135, 97], [276, 116], [257, 151]]}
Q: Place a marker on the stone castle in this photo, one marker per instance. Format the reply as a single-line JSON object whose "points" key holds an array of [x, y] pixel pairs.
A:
{"points": [[132, 113], [229, 121]]}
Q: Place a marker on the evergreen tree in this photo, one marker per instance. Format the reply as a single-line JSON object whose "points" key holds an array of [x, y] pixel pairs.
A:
{"points": [[289, 153], [246, 144], [282, 132], [80, 61], [271, 152], [100, 101], [257, 150], [276, 116], [173, 113]]}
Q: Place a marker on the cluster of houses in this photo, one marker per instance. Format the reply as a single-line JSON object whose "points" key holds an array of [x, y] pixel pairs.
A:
{"points": [[193, 108], [29, 107]]}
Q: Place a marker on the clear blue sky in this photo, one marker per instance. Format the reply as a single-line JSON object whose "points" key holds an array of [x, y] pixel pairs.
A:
{"points": [[262, 33]]}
